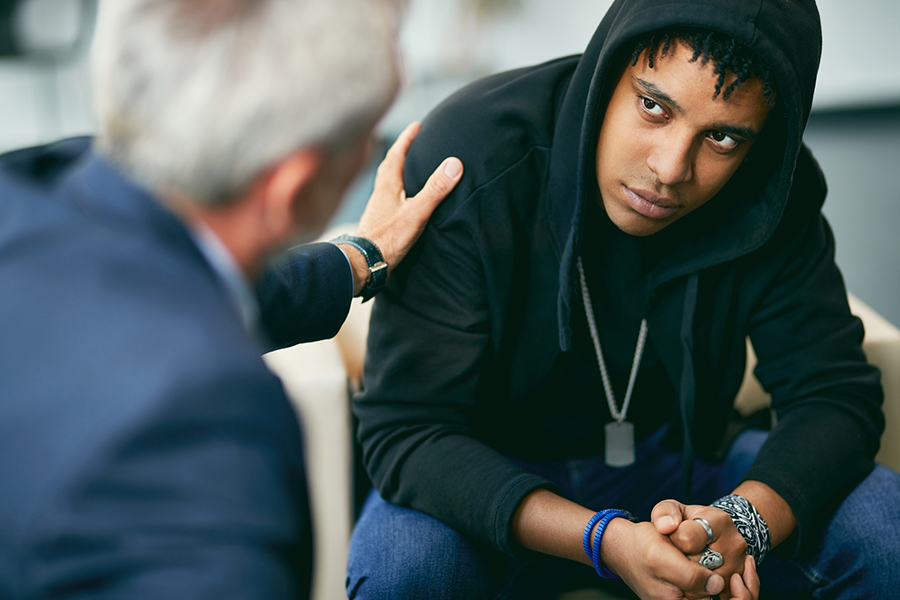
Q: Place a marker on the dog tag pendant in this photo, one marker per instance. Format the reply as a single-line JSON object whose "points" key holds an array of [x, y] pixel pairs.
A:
{"points": [[619, 444]]}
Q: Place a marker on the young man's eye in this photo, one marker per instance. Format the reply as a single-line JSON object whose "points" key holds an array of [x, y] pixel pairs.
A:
{"points": [[651, 106], [723, 140]]}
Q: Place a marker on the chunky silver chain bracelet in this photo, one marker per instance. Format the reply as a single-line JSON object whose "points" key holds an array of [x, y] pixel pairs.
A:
{"points": [[749, 524]]}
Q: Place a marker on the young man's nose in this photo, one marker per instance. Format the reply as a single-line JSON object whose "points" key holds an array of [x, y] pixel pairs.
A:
{"points": [[671, 160]]}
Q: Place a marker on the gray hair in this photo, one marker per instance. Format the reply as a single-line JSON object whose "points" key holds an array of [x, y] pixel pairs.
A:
{"points": [[200, 97]]}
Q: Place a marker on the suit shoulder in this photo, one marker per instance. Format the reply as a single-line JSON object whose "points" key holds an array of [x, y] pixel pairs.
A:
{"points": [[42, 165]]}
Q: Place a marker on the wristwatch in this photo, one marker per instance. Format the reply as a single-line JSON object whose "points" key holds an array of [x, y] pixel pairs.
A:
{"points": [[377, 267]]}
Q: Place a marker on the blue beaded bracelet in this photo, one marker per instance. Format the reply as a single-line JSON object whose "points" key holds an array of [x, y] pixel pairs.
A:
{"points": [[586, 540], [593, 549]]}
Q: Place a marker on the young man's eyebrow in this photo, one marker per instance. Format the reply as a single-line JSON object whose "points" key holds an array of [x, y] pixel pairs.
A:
{"points": [[651, 89], [738, 131]]}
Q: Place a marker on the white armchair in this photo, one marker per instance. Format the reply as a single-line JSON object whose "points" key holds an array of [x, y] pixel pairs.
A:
{"points": [[318, 377]]}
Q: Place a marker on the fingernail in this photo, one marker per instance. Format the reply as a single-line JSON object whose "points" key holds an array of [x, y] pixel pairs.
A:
{"points": [[666, 521], [452, 168], [715, 584]]}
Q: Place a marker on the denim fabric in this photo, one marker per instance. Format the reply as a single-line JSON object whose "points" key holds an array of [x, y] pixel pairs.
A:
{"points": [[859, 555], [400, 553]]}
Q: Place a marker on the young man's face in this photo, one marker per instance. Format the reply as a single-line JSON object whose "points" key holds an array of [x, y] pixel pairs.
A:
{"points": [[666, 146]]}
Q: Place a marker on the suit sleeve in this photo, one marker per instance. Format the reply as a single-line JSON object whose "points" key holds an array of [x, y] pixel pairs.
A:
{"points": [[305, 294], [826, 398], [201, 498]]}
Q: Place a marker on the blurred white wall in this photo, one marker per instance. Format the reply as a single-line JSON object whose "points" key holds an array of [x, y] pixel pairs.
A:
{"points": [[859, 68], [45, 92]]}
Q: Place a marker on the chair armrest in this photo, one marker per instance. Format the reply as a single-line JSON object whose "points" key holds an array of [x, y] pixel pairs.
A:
{"points": [[882, 348], [315, 381]]}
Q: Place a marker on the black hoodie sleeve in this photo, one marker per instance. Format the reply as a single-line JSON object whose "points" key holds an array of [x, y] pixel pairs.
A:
{"points": [[429, 341], [827, 399]]}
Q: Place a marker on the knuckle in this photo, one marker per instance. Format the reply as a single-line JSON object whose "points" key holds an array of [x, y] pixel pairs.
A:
{"points": [[681, 539], [439, 186]]}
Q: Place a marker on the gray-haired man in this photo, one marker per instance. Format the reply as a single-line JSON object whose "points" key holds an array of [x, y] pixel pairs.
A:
{"points": [[146, 450]]}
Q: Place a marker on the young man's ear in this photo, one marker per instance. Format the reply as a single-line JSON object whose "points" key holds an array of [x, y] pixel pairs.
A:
{"points": [[284, 191]]}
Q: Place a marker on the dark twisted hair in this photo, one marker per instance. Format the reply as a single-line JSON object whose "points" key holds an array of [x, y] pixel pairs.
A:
{"points": [[726, 54]]}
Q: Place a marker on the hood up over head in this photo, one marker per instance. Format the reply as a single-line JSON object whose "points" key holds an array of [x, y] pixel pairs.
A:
{"points": [[786, 34]]}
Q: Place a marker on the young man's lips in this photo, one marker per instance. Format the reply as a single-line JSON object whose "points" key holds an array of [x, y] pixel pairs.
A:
{"points": [[649, 204]]}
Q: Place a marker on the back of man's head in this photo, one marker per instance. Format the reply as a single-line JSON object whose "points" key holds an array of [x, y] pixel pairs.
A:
{"points": [[200, 97]]}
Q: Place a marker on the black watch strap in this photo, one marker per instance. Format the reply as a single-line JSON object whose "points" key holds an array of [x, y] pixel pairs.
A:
{"points": [[377, 267]]}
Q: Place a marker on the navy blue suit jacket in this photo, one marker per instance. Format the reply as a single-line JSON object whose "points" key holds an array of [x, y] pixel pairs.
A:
{"points": [[145, 449]]}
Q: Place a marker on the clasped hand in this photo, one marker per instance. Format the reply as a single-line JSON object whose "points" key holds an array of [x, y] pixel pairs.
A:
{"points": [[659, 560]]}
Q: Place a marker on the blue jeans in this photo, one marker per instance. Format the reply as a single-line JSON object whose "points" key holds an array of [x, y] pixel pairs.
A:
{"points": [[400, 553]]}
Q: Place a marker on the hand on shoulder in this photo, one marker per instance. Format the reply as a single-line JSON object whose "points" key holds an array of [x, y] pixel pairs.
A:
{"points": [[393, 221]]}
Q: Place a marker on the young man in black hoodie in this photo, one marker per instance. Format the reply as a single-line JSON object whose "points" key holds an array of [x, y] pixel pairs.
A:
{"points": [[645, 206]]}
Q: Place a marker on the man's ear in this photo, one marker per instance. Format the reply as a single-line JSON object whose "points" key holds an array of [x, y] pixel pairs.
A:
{"points": [[284, 189]]}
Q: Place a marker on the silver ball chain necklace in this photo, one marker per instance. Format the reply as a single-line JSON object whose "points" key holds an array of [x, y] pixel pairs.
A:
{"points": [[619, 433]]}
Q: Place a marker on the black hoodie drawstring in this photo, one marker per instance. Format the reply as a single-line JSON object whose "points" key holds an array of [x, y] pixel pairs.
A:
{"points": [[688, 393]]}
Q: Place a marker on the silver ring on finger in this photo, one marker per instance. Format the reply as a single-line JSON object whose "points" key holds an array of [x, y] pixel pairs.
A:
{"points": [[707, 528], [711, 559]]}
